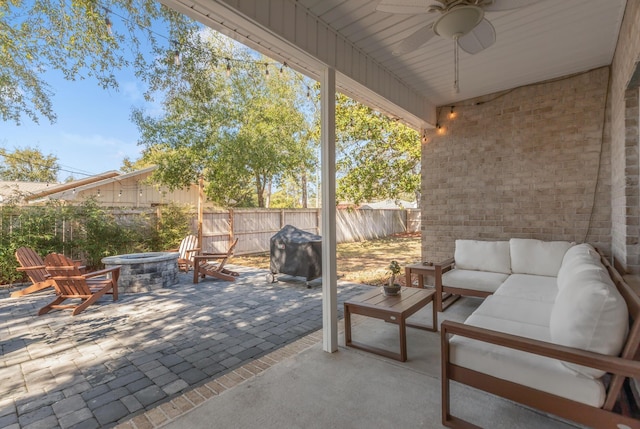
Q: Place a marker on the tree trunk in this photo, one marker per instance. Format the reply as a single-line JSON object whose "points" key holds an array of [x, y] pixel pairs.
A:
{"points": [[259, 191], [305, 197], [268, 194]]}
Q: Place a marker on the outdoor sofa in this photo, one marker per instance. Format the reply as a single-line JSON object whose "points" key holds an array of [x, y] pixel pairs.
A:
{"points": [[559, 333]]}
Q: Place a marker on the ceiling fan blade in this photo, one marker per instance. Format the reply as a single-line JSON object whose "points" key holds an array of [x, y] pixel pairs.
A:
{"points": [[415, 40], [478, 39], [403, 7], [499, 5]]}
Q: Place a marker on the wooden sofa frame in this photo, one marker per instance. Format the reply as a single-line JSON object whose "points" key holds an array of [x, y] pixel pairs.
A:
{"points": [[620, 368], [447, 295]]}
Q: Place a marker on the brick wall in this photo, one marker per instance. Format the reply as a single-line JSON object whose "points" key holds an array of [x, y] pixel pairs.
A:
{"points": [[530, 162], [624, 143]]}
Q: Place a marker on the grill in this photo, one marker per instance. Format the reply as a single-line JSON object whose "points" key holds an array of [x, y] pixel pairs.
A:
{"points": [[296, 253]]}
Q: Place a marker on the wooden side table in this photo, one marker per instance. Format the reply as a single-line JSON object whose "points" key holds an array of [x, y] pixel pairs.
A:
{"points": [[392, 309], [421, 271]]}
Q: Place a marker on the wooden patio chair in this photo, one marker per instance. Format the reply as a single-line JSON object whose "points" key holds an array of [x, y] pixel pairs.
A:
{"points": [[33, 266], [188, 248], [203, 265], [70, 283]]}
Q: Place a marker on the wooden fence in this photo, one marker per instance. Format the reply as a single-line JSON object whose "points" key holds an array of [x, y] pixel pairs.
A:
{"points": [[255, 227]]}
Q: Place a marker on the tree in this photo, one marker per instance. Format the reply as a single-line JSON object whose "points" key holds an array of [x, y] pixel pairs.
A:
{"points": [[379, 157], [29, 165], [241, 133], [76, 38]]}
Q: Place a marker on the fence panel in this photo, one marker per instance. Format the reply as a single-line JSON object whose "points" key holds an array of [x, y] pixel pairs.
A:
{"points": [[414, 220], [360, 225], [255, 227]]}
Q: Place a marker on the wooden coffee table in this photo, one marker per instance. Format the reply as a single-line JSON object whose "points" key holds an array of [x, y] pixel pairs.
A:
{"points": [[392, 309]]}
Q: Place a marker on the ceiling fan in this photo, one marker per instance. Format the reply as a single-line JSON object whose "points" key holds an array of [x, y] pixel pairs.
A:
{"points": [[462, 21]]}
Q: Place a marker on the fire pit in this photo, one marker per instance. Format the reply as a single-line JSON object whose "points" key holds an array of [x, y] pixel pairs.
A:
{"points": [[144, 272]]}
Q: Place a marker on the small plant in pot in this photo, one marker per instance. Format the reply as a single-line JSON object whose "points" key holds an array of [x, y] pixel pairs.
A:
{"points": [[393, 288]]}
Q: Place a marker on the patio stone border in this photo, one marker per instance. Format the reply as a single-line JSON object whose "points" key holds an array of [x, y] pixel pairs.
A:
{"points": [[171, 410]]}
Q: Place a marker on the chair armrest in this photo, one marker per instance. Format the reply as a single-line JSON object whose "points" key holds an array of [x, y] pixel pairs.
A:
{"points": [[35, 267], [447, 263], [209, 256], [103, 272], [610, 364]]}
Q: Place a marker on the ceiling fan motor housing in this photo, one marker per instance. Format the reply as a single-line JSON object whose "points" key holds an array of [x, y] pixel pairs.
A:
{"points": [[458, 21]]}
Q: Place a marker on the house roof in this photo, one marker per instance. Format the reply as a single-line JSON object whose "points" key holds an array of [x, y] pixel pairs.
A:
{"points": [[93, 182], [389, 204], [11, 189]]}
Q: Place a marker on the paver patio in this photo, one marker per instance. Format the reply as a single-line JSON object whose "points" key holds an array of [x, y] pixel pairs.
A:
{"points": [[116, 360]]}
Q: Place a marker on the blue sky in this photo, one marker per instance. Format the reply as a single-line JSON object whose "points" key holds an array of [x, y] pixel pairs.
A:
{"points": [[93, 132]]}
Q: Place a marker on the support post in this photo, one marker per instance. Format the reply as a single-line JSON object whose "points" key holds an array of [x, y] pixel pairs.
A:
{"points": [[200, 211], [328, 167]]}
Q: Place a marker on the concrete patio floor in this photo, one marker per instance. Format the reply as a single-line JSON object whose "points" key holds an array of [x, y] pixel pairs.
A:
{"points": [[301, 386], [117, 360]]}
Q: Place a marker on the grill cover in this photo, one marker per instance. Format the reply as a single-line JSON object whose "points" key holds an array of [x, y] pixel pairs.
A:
{"points": [[297, 253]]}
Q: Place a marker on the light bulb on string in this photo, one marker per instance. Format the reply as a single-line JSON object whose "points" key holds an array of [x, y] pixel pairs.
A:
{"points": [[176, 53], [108, 23], [228, 67], [266, 70]]}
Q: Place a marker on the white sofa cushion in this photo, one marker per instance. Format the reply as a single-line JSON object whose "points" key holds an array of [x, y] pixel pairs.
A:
{"points": [[541, 373], [590, 314], [542, 258], [473, 280], [477, 255], [516, 309], [529, 287], [578, 258]]}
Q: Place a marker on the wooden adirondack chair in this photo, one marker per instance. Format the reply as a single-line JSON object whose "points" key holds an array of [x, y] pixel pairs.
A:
{"points": [[70, 283], [204, 267], [33, 266], [188, 248]]}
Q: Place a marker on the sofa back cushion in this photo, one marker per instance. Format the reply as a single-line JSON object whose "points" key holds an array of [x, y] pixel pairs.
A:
{"points": [[540, 258], [578, 258], [590, 314], [483, 256]]}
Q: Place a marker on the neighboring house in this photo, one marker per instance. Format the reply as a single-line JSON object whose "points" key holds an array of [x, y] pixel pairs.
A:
{"points": [[114, 189], [389, 204], [13, 191]]}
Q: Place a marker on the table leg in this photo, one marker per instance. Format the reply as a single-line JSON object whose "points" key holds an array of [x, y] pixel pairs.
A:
{"points": [[403, 340], [347, 325], [195, 273]]}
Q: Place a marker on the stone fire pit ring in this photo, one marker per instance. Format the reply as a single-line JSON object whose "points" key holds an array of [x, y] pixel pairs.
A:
{"points": [[144, 272]]}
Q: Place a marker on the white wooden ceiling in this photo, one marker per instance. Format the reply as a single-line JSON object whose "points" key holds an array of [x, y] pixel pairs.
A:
{"points": [[541, 41], [544, 40]]}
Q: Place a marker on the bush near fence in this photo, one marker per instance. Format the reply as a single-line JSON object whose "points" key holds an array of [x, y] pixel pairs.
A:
{"points": [[90, 232]]}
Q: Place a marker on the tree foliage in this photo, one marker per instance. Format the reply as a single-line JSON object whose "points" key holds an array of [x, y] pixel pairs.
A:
{"points": [[242, 133], [28, 165], [73, 38], [379, 157]]}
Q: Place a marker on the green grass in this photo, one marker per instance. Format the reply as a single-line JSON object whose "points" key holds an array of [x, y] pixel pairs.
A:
{"points": [[361, 262]]}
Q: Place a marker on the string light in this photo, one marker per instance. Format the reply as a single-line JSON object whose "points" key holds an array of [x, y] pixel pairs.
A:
{"points": [[107, 21], [176, 53], [452, 114], [120, 193]]}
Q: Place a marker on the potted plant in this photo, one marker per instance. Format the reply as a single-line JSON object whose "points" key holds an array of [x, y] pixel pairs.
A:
{"points": [[393, 288]]}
